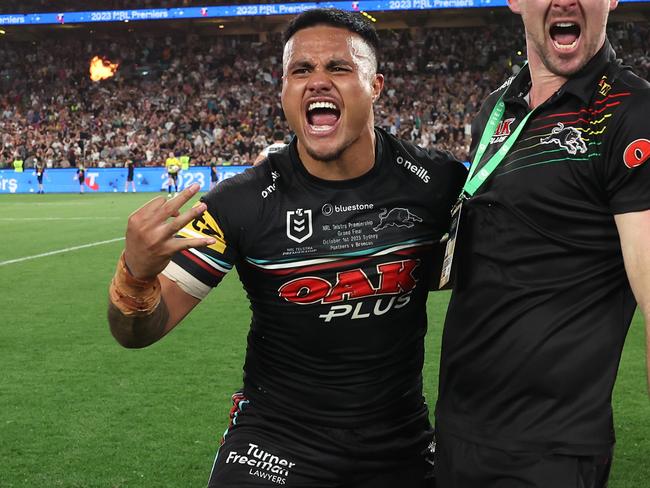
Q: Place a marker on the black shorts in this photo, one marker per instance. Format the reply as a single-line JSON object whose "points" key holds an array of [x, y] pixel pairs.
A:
{"points": [[173, 176], [39, 178], [266, 450], [463, 464]]}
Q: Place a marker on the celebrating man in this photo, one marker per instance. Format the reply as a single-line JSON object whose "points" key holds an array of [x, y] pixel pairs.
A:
{"points": [[333, 238]]}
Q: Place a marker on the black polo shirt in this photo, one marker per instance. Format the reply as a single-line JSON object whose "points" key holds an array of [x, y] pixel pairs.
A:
{"points": [[542, 304]]}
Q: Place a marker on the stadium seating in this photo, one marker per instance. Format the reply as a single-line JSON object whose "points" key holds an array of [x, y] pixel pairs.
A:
{"points": [[209, 98]]}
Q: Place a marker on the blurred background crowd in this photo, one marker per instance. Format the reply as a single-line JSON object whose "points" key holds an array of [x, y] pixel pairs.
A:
{"points": [[217, 98]]}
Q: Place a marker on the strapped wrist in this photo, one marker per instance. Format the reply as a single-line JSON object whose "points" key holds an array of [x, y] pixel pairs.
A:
{"points": [[131, 295]]}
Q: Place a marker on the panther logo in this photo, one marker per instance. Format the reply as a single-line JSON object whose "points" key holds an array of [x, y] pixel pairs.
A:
{"points": [[568, 138], [397, 217]]}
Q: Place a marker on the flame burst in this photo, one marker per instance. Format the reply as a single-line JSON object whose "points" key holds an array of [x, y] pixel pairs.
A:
{"points": [[101, 69]]}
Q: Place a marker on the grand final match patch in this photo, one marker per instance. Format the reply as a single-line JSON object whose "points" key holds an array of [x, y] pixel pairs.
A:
{"points": [[636, 153], [205, 226]]}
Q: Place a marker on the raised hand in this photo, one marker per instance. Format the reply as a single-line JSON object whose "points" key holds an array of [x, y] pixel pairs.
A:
{"points": [[150, 241]]}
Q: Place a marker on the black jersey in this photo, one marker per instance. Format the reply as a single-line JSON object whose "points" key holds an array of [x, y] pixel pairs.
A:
{"points": [[542, 304], [337, 273]]}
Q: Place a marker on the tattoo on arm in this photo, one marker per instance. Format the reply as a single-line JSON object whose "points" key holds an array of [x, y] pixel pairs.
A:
{"points": [[137, 332]]}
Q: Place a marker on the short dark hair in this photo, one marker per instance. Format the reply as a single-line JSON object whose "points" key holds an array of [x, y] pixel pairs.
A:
{"points": [[278, 135], [336, 18]]}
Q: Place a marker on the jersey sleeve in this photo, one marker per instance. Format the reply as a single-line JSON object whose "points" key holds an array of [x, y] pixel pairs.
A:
{"points": [[199, 270], [450, 177], [627, 157]]}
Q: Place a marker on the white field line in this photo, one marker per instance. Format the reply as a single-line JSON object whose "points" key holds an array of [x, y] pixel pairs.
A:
{"points": [[47, 204], [22, 219], [59, 251]]}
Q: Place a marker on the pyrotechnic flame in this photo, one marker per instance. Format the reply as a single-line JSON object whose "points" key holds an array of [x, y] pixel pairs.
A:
{"points": [[100, 69]]}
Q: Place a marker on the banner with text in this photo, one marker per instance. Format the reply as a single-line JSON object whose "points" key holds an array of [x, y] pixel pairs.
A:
{"points": [[109, 179]]}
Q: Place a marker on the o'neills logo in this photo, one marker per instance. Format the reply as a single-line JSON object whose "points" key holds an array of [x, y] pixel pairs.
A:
{"points": [[414, 168], [262, 464]]}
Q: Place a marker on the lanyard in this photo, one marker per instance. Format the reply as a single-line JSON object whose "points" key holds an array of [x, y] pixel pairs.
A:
{"points": [[474, 181]]}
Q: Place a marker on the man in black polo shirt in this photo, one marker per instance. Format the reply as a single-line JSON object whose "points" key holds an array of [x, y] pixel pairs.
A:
{"points": [[551, 260]]}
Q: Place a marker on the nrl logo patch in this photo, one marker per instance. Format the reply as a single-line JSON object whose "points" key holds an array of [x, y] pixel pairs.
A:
{"points": [[568, 138], [299, 227]]}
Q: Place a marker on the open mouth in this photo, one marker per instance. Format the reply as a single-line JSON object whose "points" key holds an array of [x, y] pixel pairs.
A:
{"points": [[565, 35], [322, 116]]}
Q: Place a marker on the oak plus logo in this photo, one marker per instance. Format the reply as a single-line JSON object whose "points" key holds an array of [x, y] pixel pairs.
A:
{"points": [[299, 226], [393, 284], [502, 132]]}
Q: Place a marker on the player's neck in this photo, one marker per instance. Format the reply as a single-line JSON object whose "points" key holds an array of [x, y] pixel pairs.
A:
{"points": [[544, 83], [355, 161]]}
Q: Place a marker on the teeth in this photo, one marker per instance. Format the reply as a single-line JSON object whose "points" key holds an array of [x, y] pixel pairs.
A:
{"points": [[321, 128], [565, 47], [315, 105], [565, 24]]}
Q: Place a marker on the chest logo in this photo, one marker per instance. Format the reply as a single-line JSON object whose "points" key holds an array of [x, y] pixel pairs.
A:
{"points": [[636, 153], [396, 217], [299, 226], [605, 87], [568, 138], [502, 132]]}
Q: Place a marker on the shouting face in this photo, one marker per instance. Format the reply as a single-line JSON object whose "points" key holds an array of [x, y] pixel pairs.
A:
{"points": [[563, 35], [329, 87]]}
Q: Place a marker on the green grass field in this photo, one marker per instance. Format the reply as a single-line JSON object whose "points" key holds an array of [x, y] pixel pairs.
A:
{"points": [[80, 411]]}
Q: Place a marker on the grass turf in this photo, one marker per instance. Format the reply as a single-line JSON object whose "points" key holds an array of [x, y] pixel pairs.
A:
{"points": [[80, 411]]}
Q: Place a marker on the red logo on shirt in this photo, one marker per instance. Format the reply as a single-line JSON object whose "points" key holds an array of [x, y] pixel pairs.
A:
{"points": [[394, 278], [636, 153]]}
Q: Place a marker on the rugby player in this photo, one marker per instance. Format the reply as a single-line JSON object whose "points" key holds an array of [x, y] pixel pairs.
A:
{"points": [[39, 167], [173, 166], [80, 176], [277, 145], [551, 262], [130, 169], [333, 238], [214, 175]]}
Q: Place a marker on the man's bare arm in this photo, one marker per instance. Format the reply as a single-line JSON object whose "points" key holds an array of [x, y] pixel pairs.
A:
{"points": [[143, 304], [634, 231], [137, 332]]}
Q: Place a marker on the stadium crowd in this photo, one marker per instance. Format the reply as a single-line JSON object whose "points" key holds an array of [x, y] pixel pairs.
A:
{"points": [[217, 99]]}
